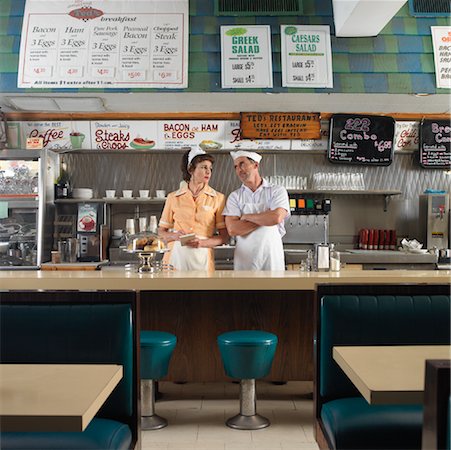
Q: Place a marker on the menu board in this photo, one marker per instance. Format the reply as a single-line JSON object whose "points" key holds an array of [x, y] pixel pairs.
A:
{"points": [[276, 125], [435, 147], [361, 139], [104, 44]]}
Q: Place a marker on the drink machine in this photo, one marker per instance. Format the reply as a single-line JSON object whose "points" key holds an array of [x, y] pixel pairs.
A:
{"points": [[434, 220], [309, 220], [90, 232]]}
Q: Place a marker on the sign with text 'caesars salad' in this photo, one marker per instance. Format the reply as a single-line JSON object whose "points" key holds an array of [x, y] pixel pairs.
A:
{"points": [[104, 44], [246, 56], [306, 56]]}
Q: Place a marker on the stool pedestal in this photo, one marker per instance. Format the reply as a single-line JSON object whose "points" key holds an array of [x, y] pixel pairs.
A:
{"points": [[150, 420], [248, 419]]}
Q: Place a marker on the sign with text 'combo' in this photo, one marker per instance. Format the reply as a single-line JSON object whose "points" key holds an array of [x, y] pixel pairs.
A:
{"points": [[441, 40], [306, 56], [104, 44], [246, 56]]}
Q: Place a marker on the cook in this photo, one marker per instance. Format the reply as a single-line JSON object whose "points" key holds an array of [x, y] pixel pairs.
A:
{"points": [[195, 208], [255, 214]]}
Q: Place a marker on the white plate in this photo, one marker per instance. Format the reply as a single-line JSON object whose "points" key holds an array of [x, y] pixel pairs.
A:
{"points": [[417, 251]]}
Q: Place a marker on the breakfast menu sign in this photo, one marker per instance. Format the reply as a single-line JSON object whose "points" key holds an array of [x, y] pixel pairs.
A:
{"points": [[104, 44]]}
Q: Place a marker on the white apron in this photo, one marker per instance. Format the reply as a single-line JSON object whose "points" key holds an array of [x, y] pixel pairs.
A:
{"points": [[262, 249], [188, 258]]}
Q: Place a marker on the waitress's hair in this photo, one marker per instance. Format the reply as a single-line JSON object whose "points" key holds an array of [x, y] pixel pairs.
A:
{"points": [[196, 160]]}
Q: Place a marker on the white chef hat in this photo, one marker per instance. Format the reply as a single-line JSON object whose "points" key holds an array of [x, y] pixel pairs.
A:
{"points": [[193, 153], [252, 155]]}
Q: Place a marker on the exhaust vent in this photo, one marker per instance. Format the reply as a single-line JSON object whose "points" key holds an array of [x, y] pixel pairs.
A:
{"points": [[430, 8], [258, 7]]}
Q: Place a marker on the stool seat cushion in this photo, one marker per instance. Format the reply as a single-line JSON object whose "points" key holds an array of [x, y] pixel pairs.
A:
{"points": [[156, 352], [352, 423], [247, 337], [101, 434], [156, 338], [247, 354]]}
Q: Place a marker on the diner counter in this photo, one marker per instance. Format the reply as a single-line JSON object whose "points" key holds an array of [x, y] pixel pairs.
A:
{"points": [[225, 280]]}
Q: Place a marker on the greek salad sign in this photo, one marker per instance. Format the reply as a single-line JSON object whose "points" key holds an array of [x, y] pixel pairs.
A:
{"points": [[246, 56], [104, 44], [306, 56], [441, 40]]}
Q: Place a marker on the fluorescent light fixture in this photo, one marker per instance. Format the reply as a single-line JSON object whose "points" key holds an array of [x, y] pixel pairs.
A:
{"points": [[61, 104]]}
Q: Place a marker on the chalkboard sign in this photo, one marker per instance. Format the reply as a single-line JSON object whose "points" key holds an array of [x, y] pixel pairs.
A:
{"points": [[435, 144], [361, 139]]}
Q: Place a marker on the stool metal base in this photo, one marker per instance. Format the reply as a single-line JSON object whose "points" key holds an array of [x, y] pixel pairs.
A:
{"points": [[154, 422], [255, 422]]}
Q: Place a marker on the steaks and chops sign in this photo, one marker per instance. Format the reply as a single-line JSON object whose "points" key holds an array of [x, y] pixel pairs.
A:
{"points": [[104, 44], [435, 144], [361, 139]]}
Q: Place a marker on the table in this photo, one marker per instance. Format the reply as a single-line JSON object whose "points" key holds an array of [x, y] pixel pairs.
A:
{"points": [[54, 397], [389, 374]]}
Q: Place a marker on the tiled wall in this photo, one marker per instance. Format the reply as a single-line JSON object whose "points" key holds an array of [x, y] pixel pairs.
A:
{"points": [[398, 60]]}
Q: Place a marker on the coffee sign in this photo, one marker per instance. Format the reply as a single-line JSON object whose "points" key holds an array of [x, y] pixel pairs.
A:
{"points": [[435, 147], [361, 139]]}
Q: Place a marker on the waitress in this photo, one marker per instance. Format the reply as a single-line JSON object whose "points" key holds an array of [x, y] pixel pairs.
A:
{"points": [[195, 208], [255, 214]]}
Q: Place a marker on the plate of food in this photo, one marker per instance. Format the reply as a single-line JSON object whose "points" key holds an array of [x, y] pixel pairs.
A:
{"points": [[142, 144], [145, 243], [206, 145]]}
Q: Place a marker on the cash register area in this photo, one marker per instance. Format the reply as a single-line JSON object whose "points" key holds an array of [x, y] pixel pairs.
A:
{"points": [[197, 412]]}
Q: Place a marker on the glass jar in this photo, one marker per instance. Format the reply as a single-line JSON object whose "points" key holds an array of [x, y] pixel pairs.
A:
{"points": [[334, 259]]}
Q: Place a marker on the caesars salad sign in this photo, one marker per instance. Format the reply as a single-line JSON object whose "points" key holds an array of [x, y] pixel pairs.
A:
{"points": [[104, 44]]}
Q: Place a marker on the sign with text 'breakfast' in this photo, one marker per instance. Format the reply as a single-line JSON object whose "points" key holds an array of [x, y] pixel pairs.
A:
{"points": [[246, 56], [104, 44], [275, 125], [435, 144]]}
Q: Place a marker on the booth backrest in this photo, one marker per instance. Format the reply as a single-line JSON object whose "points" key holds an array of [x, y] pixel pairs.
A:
{"points": [[359, 319], [69, 334]]}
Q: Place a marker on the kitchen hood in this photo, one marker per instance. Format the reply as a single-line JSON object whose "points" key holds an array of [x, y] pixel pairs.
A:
{"points": [[358, 18]]}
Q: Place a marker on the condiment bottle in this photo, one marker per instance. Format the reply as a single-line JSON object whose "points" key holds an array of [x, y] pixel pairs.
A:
{"points": [[334, 259]]}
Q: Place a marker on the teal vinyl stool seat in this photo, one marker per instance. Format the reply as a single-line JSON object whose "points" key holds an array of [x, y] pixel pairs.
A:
{"points": [[247, 355], [156, 351]]}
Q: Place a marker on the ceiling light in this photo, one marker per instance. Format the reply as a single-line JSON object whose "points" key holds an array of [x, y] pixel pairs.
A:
{"points": [[26, 103], [61, 104], [80, 103]]}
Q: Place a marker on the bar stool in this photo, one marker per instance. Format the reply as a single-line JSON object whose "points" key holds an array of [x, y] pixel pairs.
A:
{"points": [[156, 351], [247, 355]]}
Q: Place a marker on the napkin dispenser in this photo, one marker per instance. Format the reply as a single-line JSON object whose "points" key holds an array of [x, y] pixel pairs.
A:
{"points": [[322, 257]]}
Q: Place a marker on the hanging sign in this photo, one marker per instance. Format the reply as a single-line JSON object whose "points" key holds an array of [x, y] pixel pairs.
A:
{"points": [[276, 125], [407, 136], [361, 139], [306, 56], [441, 40], [104, 44], [246, 60], [435, 144]]}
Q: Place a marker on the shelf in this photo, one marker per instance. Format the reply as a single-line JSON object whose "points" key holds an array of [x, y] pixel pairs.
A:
{"points": [[112, 201], [25, 201], [20, 154], [345, 192]]}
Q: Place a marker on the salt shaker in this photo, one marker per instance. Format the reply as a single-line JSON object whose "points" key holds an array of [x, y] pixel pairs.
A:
{"points": [[334, 259]]}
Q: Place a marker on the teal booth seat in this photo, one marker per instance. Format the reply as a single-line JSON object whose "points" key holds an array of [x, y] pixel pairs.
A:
{"points": [[372, 315], [247, 354], [156, 352], [76, 333]]}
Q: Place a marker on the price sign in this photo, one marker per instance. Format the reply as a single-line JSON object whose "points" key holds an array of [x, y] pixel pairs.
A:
{"points": [[435, 147]]}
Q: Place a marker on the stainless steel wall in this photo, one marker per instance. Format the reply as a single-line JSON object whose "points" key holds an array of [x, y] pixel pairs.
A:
{"points": [[349, 212]]}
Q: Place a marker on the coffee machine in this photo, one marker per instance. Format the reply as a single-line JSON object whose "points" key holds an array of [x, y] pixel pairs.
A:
{"points": [[435, 220], [92, 235]]}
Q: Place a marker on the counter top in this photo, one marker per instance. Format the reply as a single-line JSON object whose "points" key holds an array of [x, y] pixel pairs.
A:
{"points": [[223, 280]]}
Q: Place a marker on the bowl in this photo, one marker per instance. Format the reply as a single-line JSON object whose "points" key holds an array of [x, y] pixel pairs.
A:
{"points": [[83, 193]]}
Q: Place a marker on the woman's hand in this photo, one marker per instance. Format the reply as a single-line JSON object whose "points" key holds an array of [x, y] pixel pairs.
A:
{"points": [[195, 243], [169, 236]]}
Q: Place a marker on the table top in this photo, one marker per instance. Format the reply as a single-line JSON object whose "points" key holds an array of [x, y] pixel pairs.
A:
{"points": [[205, 281], [389, 374], [54, 397]]}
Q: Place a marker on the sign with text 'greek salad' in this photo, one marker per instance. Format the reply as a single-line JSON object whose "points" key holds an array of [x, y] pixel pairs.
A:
{"points": [[246, 56], [441, 40], [435, 144], [275, 125], [104, 44], [306, 56], [358, 139]]}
